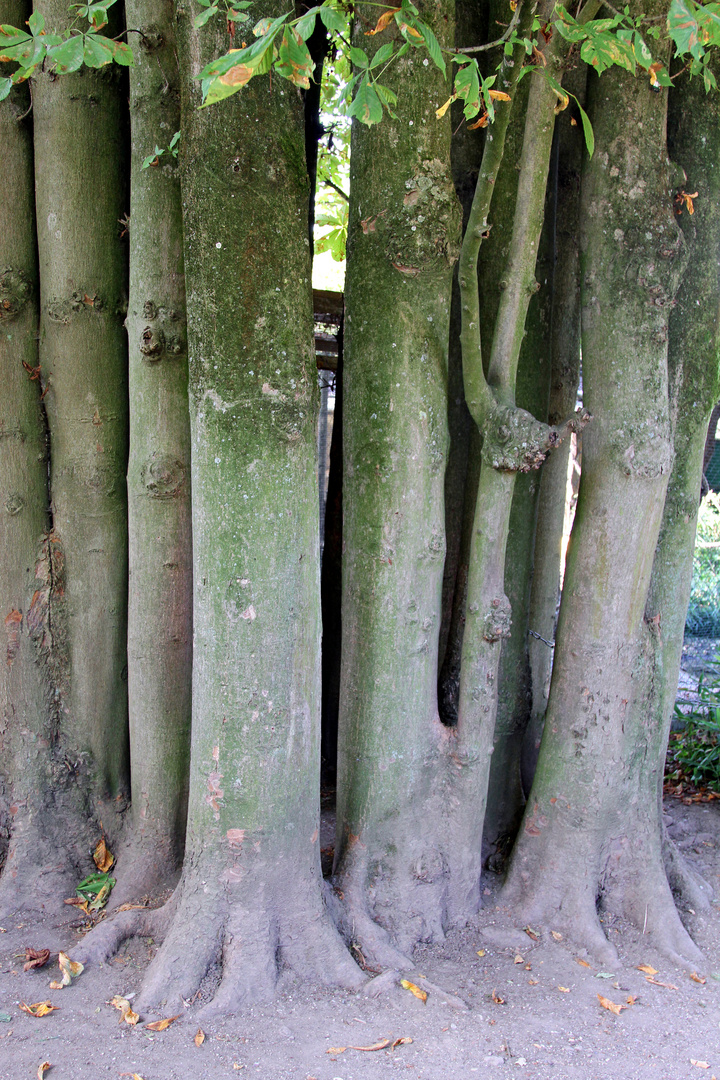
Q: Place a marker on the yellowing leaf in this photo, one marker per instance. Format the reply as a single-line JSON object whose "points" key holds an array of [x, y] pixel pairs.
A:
{"points": [[610, 1005], [531, 933], [497, 998], [39, 1008], [102, 858], [499, 95], [401, 1042], [384, 20], [126, 1013], [631, 999], [656, 982], [698, 978], [405, 29], [564, 989], [582, 963], [42, 1069], [481, 123], [647, 969], [160, 1025], [70, 970], [700, 1064], [653, 73], [336, 1050], [519, 959], [556, 936], [382, 1045], [481, 952], [199, 1037], [444, 108], [238, 75], [419, 994]]}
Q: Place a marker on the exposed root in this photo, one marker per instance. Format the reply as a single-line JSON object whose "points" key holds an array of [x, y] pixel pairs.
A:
{"points": [[141, 870], [106, 938], [251, 940], [684, 881]]}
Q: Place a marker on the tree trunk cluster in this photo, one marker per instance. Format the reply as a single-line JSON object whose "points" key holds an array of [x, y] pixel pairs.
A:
{"points": [[164, 668]]}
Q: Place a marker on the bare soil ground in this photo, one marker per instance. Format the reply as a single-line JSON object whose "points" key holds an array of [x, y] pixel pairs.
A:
{"points": [[531, 1007]]}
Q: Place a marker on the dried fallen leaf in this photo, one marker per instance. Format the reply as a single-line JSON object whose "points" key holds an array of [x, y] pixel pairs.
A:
{"points": [[610, 1005], [533, 982], [336, 1049], [39, 1008], [125, 1009], [199, 1037], [481, 952], [647, 969], [421, 995], [70, 970], [656, 982], [519, 959], [698, 978], [631, 999], [42, 1069], [401, 1042], [534, 934], [582, 963], [382, 1045], [35, 958], [133, 1076], [558, 937], [700, 1064], [102, 858], [160, 1025], [564, 989], [497, 999]]}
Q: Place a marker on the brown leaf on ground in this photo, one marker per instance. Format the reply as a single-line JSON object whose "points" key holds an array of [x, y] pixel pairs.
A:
{"points": [[421, 995], [519, 959], [160, 1025], [582, 963], [336, 1049], [39, 1008], [698, 978], [70, 970], [102, 858], [497, 999], [481, 952], [133, 1076], [647, 969], [382, 1045], [531, 933], [126, 1013], [42, 1069], [199, 1037], [557, 937], [700, 1064], [35, 958], [564, 989], [656, 982], [401, 1042], [610, 1005], [631, 999]]}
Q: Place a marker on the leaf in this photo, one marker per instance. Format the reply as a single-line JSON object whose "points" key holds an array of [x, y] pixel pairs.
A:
{"points": [[359, 57], [698, 978], [433, 46], [647, 969], [306, 24], [5, 1018], [700, 1064], [5, 87], [68, 56], [204, 16], [383, 22], [556, 936], [294, 61], [336, 1050], [683, 27], [98, 51], [42, 1069], [564, 989], [419, 994], [161, 1025], [604, 975], [519, 959], [444, 108], [656, 982], [587, 129], [126, 1013], [534, 934], [500, 95], [610, 1005], [366, 104], [70, 969], [39, 1008], [582, 963], [383, 54], [497, 998], [199, 1037], [481, 952], [333, 20], [35, 958], [376, 1046]]}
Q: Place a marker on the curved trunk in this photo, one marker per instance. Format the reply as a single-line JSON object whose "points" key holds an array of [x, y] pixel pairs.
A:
{"points": [[251, 876], [403, 241], [160, 542], [585, 808]]}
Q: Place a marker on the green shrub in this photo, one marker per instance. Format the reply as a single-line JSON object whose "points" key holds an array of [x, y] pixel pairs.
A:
{"points": [[703, 617], [694, 752]]}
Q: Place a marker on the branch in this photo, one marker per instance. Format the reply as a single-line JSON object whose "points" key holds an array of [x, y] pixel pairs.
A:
{"points": [[339, 190], [500, 41]]}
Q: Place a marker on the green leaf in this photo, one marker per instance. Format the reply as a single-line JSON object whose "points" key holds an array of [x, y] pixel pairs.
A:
{"points": [[433, 46], [5, 87], [467, 88], [294, 61], [587, 129], [68, 56], [5, 1018], [123, 54], [14, 44], [36, 23], [383, 54], [98, 51], [333, 20], [172, 145], [388, 98], [641, 52], [683, 27], [366, 105], [204, 16], [94, 884], [359, 57], [306, 25]]}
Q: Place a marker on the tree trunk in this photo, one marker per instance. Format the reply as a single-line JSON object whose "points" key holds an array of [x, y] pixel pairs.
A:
{"points": [[586, 814], [160, 542], [25, 697], [79, 159], [251, 876], [404, 227]]}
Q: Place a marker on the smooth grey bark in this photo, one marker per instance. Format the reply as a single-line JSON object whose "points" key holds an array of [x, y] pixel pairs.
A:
{"points": [[579, 837], [80, 195], [160, 541], [403, 241], [253, 817]]}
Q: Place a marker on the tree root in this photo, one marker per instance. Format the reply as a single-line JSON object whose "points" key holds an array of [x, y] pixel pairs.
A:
{"points": [[684, 881], [36, 875], [105, 939], [142, 870]]}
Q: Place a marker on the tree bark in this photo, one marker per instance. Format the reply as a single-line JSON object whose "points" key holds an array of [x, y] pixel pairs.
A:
{"points": [[255, 756], [581, 825], [160, 541]]}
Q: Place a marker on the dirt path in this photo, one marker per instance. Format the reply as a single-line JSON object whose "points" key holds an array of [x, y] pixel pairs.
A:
{"points": [[550, 1025]]}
